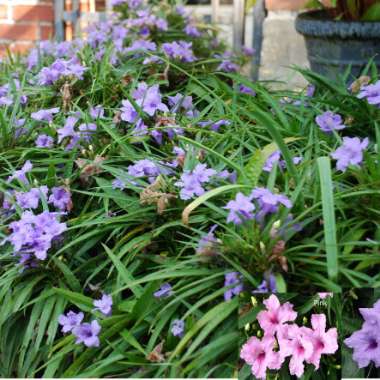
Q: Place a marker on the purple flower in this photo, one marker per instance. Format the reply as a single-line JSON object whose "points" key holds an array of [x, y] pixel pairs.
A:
{"points": [[371, 92], [128, 112], [117, 2], [152, 59], [329, 122], [248, 51], [86, 130], [19, 122], [192, 31], [180, 101], [35, 233], [215, 126], [366, 346], [180, 50], [97, 112], [246, 90], [149, 99], [350, 152], [21, 174], [227, 66], [143, 45], [61, 68], [26, 260], [275, 158], [164, 291], [268, 202], [117, 183], [6, 101], [143, 168], [191, 183], [225, 174], [70, 320], [230, 279], [140, 129], [208, 244], [134, 4], [87, 333], [240, 209], [310, 90], [371, 316], [45, 115], [68, 129], [161, 24], [61, 198], [178, 327], [32, 59], [190, 186], [31, 198], [44, 141], [267, 286], [203, 174], [104, 305]]}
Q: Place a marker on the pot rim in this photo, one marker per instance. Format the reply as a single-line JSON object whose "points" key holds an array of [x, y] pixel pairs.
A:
{"points": [[312, 23]]}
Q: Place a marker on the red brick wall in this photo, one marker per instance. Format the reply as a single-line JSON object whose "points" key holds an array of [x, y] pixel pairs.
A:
{"points": [[288, 5], [22, 22]]}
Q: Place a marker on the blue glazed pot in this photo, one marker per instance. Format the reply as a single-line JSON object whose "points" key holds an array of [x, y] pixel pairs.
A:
{"points": [[332, 46]]}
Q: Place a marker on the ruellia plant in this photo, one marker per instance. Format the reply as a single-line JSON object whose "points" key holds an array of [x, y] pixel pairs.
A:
{"points": [[290, 336], [361, 341], [350, 10], [145, 183]]}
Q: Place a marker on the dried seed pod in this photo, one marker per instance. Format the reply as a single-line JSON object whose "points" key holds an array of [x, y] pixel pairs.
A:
{"points": [[278, 255], [156, 356], [358, 83], [201, 155], [152, 195], [66, 96], [89, 169], [117, 117], [126, 80]]}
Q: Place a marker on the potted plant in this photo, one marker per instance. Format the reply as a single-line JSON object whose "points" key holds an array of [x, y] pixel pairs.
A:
{"points": [[340, 35]]}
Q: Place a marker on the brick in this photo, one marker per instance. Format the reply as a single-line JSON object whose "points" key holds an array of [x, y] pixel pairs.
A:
{"points": [[33, 13], [282, 5], [4, 49], [27, 32], [21, 47], [3, 11], [46, 32], [84, 6]]}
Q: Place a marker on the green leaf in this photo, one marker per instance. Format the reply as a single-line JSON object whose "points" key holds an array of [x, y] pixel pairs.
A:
{"points": [[328, 210], [129, 338], [280, 283], [250, 4], [372, 13], [78, 299], [212, 318], [124, 272], [254, 167], [203, 198]]}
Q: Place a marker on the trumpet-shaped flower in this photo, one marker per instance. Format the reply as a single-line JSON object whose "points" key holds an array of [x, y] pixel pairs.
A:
{"points": [[350, 152]]}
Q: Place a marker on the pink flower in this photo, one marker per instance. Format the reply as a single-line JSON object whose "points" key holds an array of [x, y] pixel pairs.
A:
{"points": [[276, 315], [296, 341], [260, 356], [324, 342], [322, 296]]}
